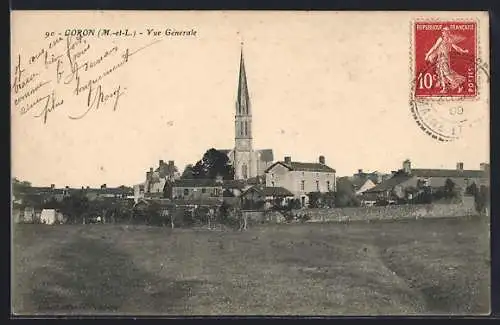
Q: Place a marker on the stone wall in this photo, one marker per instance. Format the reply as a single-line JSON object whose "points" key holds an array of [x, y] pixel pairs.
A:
{"points": [[256, 216], [392, 212]]}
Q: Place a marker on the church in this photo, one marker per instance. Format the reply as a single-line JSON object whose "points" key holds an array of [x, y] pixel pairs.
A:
{"points": [[247, 161]]}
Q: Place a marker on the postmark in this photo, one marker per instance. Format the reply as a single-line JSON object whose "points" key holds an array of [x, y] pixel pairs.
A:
{"points": [[445, 82]]}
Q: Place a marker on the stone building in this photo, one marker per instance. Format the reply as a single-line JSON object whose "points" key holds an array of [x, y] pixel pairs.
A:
{"points": [[301, 178]]}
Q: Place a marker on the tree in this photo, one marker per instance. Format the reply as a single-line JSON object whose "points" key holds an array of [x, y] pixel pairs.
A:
{"points": [[449, 188], [315, 199], [472, 189], [188, 172], [214, 163], [482, 199], [19, 187], [75, 206], [345, 196], [167, 189]]}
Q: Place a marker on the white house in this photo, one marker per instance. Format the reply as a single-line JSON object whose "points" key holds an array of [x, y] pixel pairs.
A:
{"points": [[301, 178], [50, 216]]}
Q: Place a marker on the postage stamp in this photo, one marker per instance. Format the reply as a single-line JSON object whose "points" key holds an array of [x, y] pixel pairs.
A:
{"points": [[445, 59], [445, 82]]}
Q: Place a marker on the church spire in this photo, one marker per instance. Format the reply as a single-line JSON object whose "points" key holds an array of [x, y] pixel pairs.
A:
{"points": [[243, 100]]}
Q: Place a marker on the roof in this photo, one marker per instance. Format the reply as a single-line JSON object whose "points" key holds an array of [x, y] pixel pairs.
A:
{"points": [[196, 183], [233, 183], [256, 180], [389, 184], [301, 166], [266, 155], [450, 173], [270, 191], [359, 181]]}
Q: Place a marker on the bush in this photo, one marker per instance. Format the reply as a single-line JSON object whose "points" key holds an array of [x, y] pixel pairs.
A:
{"points": [[482, 199]]}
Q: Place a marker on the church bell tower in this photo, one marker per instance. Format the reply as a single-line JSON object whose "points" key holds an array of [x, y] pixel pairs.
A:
{"points": [[243, 150]]}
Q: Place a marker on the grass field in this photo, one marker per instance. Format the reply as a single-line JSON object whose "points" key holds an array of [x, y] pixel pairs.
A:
{"points": [[404, 267]]}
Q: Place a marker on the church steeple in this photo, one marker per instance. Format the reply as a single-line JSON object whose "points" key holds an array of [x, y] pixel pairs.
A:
{"points": [[243, 100], [243, 151]]}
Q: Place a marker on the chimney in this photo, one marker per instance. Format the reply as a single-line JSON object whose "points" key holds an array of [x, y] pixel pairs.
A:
{"points": [[160, 163], [88, 187], [484, 166], [151, 170], [360, 171], [288, 160], [171, 163], [52, 186], [322, 160], [407, 166], [103, 186], [460, 166], [67, 187]]}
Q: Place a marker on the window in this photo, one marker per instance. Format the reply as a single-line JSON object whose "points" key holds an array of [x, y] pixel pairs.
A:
{"points": [[186, 192], [317, 186], [203, 190], [246, 128], [328, 185], [302, 185]]}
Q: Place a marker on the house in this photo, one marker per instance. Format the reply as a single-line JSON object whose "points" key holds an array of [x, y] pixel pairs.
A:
{"points": [[197, 189], [301, 178], [44, 194], [155, 181], [234, 188], [435, 178], [361, 184], [376, 177], [262, 193], [51, 216], [28, 214], [139, 192]]}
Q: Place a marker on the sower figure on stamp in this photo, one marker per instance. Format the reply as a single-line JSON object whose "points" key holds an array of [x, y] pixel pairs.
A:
{"points": [[440, 52]]}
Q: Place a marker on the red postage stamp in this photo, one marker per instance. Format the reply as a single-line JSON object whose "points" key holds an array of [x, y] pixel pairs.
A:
{"points": [[445, 54]]}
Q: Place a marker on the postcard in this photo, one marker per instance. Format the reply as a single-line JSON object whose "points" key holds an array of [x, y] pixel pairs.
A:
{"points": [[314, 163]]}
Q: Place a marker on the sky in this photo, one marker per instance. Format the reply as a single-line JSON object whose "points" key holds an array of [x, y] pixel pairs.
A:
{"points": [[327, 83]]}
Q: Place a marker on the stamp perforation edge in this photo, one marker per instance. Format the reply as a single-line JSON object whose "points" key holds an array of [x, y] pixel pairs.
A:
{"points": [[476, 63]]}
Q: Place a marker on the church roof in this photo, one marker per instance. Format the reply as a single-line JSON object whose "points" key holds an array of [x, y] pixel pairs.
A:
{"points": [[266, 155]]}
